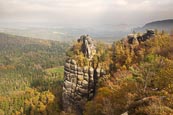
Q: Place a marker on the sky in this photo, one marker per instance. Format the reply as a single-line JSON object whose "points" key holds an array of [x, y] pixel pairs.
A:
{"points": [[84, 12]]}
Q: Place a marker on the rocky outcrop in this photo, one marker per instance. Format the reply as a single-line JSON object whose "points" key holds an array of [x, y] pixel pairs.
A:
{"points": [[80, 82], [137, 38], [88, 47]]}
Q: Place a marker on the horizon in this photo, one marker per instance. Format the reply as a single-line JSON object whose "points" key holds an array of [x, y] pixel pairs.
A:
{"points": [[68, 19], [81, 13]]}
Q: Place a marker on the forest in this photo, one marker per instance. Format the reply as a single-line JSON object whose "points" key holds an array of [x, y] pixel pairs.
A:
{"points": [[139, 77], [31, 73]]}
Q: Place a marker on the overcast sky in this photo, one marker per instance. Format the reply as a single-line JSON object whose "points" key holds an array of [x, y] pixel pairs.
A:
{"points": [[84, 12]]}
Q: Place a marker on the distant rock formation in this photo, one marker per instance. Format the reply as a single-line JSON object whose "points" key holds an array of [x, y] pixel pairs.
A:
{"points": [[136, 39], [80, 82]]}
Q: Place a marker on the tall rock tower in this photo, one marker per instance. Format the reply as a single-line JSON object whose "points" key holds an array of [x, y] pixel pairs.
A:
{"points": [[80, 81]]}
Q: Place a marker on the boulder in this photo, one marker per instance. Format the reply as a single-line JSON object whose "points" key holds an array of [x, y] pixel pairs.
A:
{"points": [[67, 78], [73, 62], [79, 69], [71, 75], [91, 78], [80, 78], [80, 73], [85, 69], [73, 67], [67, 69], [74, 81], [91, 70], [73, 87], [79, 82], [83, 91], [86, 77], [67, 65], [64, 89], [85, 84], [67, 84]]}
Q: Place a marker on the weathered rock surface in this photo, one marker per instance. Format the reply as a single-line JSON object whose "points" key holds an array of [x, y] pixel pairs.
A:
{"points": [[88, 47], [80, 82], [78, 85], [137, 39]]}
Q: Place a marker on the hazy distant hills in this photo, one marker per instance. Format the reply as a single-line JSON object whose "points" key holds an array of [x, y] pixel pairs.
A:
{"points": [[104, 32], [166, 25]]}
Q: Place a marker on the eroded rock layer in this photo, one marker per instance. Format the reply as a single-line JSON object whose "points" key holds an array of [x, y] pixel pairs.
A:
{"points": [[80, 82]]}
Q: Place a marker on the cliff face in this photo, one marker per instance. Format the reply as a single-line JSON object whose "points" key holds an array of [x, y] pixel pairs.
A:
{"points": [[80, 82]]}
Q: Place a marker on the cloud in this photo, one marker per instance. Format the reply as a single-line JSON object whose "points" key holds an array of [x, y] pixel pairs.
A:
{"points": [[85, 11]]}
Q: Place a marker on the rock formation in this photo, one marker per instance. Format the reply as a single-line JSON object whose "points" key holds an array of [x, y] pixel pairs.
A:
{"points": [[88, 47], [137, 38], [80, 82], [133, 40]]}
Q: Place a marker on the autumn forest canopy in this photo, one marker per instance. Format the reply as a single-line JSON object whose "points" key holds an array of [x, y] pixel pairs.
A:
{"points": [[138, 75], [86, 57]]}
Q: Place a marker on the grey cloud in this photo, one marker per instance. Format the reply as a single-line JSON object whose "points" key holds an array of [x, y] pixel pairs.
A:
{"points": [[85, 11]]}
